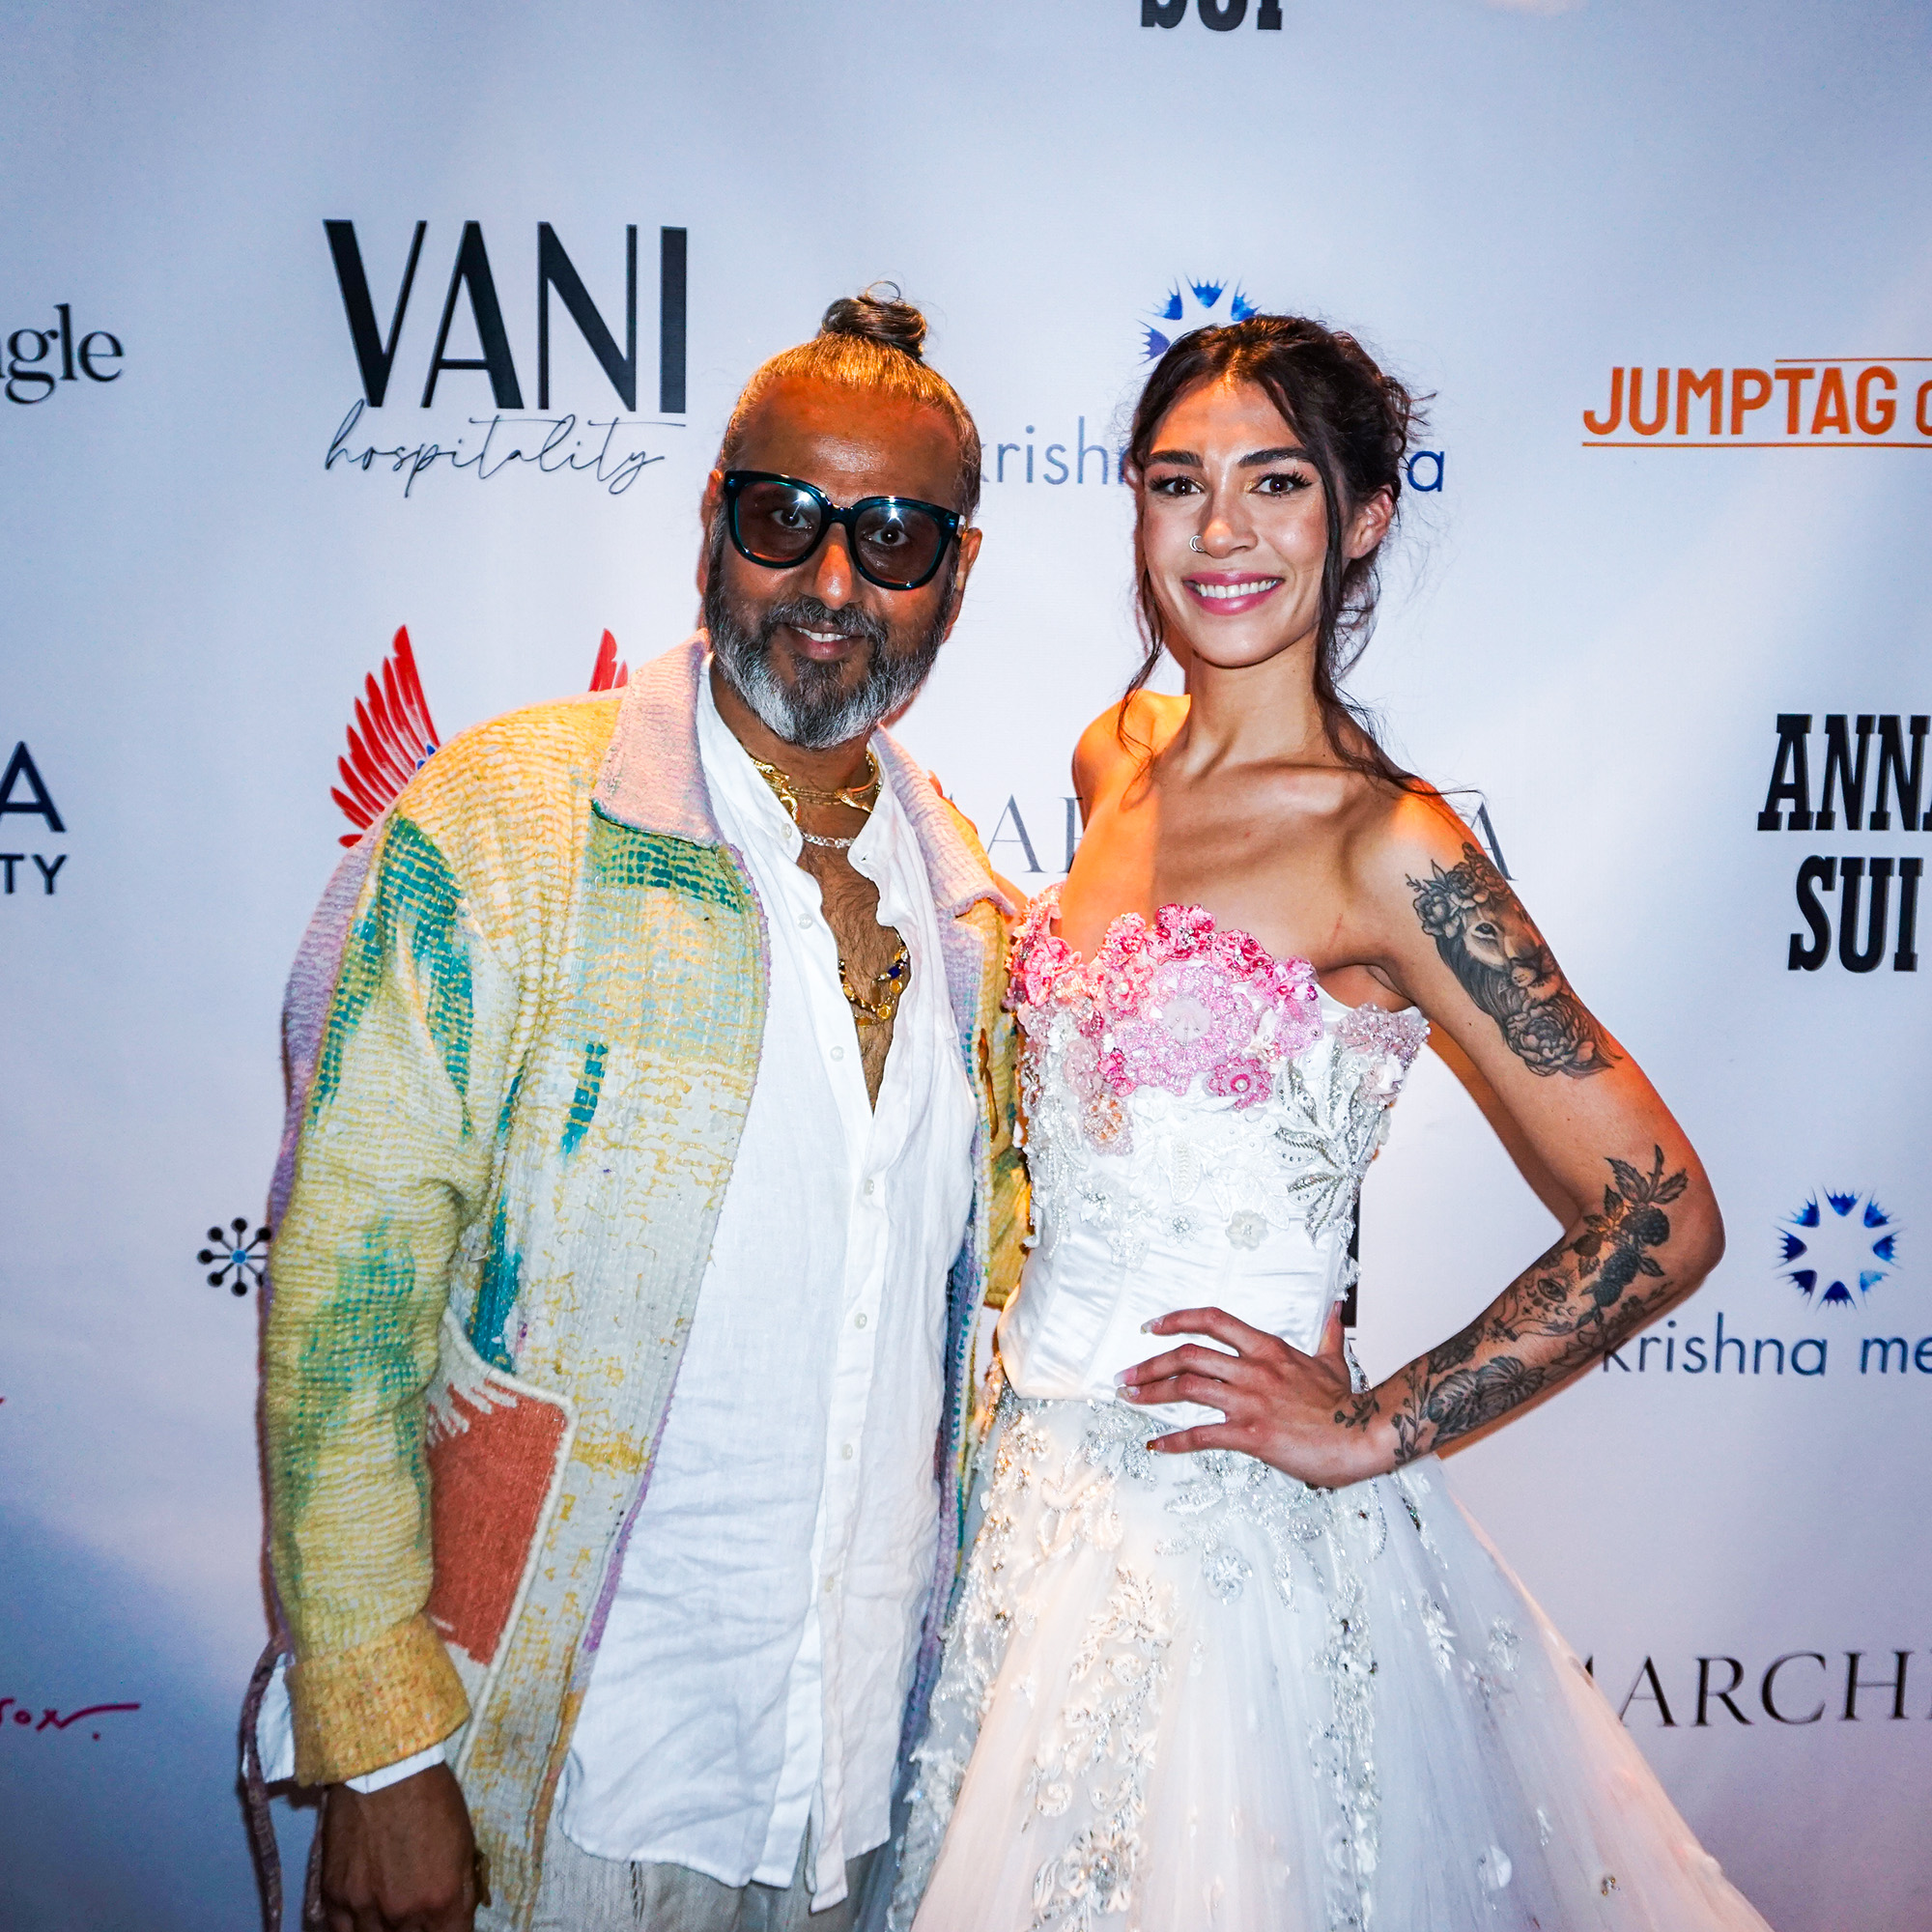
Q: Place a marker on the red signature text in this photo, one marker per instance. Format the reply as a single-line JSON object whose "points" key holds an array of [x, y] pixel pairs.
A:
{"points": [[13, 1709]]}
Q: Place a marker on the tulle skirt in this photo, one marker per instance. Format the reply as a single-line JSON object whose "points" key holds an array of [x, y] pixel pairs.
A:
{"points": [[1189, 1691]]}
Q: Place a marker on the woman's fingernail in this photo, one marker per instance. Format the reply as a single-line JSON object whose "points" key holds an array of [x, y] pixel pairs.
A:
{"points": [[1146, 1327]]}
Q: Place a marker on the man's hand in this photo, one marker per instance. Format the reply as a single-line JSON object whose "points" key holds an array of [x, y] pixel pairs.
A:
{"points": [[400, 1859]]}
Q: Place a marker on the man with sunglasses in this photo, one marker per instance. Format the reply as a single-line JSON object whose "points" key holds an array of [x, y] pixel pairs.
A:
{"points": [[666, 1052]]}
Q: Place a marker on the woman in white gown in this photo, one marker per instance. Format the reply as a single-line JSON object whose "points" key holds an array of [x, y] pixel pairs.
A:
{"points": [[1227, 1654]]}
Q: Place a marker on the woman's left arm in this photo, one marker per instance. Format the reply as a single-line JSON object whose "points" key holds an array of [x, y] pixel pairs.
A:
{"points": [[1446, 930]]}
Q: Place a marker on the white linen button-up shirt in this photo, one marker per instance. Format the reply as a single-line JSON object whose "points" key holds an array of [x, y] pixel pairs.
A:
{"points": [[760, 1644]]}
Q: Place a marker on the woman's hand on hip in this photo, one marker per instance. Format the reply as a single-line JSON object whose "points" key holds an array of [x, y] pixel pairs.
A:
{"points": [[1278, 1404]]}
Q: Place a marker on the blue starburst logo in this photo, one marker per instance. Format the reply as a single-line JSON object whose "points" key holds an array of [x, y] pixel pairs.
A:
{"points": [[1188, 306], [1837, 1251]]}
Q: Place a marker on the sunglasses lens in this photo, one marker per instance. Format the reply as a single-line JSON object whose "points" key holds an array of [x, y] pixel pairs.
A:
{"points": [[777, 522], [899, 544]]}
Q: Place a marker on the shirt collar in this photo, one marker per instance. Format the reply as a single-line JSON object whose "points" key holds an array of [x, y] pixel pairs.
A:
{"points": [[740, 793]]}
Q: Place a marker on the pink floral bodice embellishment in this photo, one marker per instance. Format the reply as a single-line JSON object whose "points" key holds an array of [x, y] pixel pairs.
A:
{"points": [[1376, 1034], [1162, 1004]]}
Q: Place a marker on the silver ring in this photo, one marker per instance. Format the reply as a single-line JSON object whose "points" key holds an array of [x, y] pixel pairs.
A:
{"points": [[1194, 544]]}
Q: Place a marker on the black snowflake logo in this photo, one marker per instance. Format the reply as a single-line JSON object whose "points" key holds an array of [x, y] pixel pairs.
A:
{"points": [[241, 1259]]}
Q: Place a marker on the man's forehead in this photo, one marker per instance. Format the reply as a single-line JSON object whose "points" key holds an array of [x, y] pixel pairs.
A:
{"points": [[852, 442]]}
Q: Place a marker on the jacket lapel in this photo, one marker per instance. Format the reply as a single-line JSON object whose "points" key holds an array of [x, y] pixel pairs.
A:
{"points": [[956, 869], [651, 778]]}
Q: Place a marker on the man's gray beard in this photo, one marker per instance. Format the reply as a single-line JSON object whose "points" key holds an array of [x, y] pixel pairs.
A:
{"points": [[816, 714]]}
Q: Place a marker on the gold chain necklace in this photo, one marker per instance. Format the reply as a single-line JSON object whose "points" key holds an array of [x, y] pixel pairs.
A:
{"points": [[887, 989], [791, 794], [880, 1007]]}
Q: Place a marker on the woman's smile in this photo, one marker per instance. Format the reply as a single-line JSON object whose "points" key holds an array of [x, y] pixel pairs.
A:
{"points": [[1228, 593]]}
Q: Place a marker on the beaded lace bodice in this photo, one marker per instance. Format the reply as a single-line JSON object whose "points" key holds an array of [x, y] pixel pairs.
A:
{"points": [[1197, 1118]]}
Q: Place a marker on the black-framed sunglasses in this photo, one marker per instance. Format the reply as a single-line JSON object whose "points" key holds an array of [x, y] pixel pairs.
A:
{"points": [[896, 541]]}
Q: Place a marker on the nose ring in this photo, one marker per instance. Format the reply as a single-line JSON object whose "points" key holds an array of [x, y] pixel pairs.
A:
{"points": [[1194, 544]]}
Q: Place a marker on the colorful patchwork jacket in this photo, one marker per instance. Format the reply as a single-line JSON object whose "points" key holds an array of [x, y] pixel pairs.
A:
{"points": [[517, 1133]]}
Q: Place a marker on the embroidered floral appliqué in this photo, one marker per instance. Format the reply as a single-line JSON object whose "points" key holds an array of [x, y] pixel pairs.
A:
{"points": [[1162, 1006], [1103, 1736], [1378, 1035], [1095, 1751], [1182, 1085]]}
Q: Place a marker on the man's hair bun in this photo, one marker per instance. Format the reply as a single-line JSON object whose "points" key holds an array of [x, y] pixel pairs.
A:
{"points": [[878, 315], [869, 344]]}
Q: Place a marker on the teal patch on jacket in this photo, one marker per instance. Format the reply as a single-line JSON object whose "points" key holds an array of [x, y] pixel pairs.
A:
{"points": [[364, 1358], [497, 1290], [620, 855], [583, 1102], [507, 1112], [416, 894]]}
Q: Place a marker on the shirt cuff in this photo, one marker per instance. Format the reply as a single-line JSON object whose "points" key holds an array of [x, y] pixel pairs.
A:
{"points": [[394, 1773]]}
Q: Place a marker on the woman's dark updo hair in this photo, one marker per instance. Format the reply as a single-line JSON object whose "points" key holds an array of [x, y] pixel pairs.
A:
{"points": [[1355, 421], [874, 340]]}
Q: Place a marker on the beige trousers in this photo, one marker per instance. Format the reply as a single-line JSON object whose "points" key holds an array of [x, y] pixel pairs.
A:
{"points": [[582, 1894]]}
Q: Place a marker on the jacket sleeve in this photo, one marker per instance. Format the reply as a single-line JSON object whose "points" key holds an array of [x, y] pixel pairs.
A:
{"points": [[392, 1160]]}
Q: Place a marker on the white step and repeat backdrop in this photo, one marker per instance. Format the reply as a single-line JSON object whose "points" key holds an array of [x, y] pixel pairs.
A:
{"points": [[276, 383]]}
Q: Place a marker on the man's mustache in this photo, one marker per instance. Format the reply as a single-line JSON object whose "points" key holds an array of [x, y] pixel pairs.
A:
{"points": [[808, 614]]}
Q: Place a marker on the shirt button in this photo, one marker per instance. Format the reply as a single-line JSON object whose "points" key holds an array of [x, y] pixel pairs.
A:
{"points": [[845, 1453], [838, 1053], [871, 1187], [858, 1320], [828, 1586], [805, 921]]}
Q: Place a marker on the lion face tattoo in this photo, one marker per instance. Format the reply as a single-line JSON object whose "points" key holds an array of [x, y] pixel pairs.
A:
{"points": [[1484, 937]]}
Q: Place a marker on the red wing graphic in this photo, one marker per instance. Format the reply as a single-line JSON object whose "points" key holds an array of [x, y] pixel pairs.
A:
{"points": [[611, 673], [393, 737]]}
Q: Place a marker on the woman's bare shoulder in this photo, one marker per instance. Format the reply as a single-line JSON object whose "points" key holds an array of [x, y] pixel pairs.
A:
{"points": [[1127, 733], [1397, 830]]}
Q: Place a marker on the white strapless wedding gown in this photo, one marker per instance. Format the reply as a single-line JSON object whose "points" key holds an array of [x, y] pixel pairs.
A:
{"points": [[1189, 1693]]}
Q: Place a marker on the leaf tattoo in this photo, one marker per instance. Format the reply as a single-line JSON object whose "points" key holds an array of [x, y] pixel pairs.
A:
{"points": [[1471, 1396], [1484, 937], [1610, 1250], [1586, 1295]]}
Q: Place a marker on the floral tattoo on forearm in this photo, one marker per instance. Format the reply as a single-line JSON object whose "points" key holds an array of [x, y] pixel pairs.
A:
{"points": [[1489, 943], [1586, 1296]]}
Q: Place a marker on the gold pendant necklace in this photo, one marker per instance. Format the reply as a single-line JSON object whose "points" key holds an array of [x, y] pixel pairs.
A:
{"points": [[791, 794], [887, 989], [882, 1004]]}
